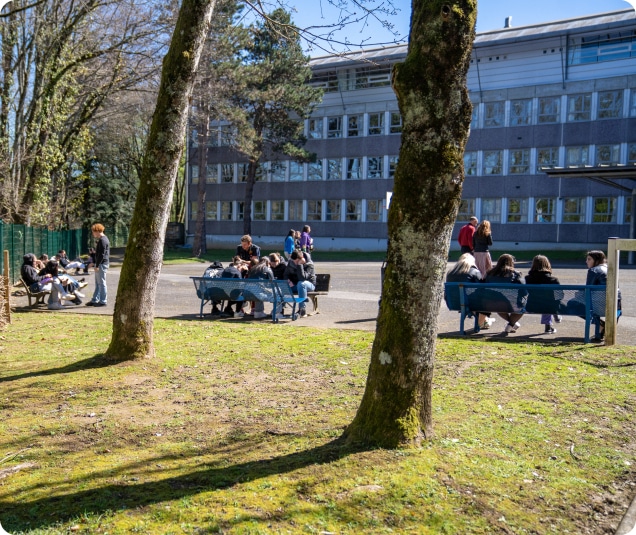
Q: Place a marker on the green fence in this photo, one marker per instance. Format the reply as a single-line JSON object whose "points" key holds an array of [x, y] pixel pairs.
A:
{"points": [[20, 239]]}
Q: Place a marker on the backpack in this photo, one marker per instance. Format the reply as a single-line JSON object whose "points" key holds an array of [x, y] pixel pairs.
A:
{"points": [[214, 271]]}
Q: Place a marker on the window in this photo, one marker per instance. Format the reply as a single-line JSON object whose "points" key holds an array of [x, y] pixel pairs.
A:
{"points": [[474, 119], [604, 210], [374, 166], [395, 126], [327, 80], [354, 211], [631, 153], [354, 168], [577, 156], [334, 127], [608, 154], [213, 137], [227, 172], [376, 124], [314, 210], [194, 138], [333, 211], [194, 210], [314, 128], [314, 170], [210, 210], [597, 48], [278, 210], [296, 171], [261, 172], [296, 210], [517, 211], [226, 211], [470, 163], [376, 76], [240, 211], [211, 174], [260, 211], [520, 112], [466, 209], [520, 162], [334, 169], [278, 170], [494, 114], [547, 157], [493, 162], [374, 210], [627, 214], [194, 174], [545, 210], [393, 161], [354, 125], [549, 110], [632, 103], [610, 104], [491, 210], [226, 135], [242, 172], [579, 107], [574, 210]]}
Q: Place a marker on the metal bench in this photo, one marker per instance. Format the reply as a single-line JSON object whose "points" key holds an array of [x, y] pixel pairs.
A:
{"points": [[35, 298], [322, 288], [470, 298], [210, 290]]}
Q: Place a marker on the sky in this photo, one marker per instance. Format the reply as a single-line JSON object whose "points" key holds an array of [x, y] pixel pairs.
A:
{"points": [[490, 16]]}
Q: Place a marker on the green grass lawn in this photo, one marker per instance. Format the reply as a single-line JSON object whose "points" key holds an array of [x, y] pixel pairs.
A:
{"points": [[233, 429]]}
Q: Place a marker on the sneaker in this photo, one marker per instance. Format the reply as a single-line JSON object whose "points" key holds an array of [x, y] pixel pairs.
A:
{"points": [[99, 305], [77, 301], [68, 297], [487, 323], [216, 311], [240, 314], [91, 304], [302, 312], [515, 327], [557, 318], [77, 293], [509, 328], [83, 284], [549, 329], [55, 306], [259, 315]]}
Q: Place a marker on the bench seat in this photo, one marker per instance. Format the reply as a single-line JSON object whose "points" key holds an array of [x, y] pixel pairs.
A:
{"points": [[35, 298]]}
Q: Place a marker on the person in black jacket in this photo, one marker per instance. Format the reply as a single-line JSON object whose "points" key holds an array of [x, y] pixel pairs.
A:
{"points": [[504, 273], [301, 275], [541, 273]]}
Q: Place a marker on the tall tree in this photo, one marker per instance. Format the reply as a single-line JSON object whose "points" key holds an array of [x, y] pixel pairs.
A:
{"points": [[133, 316], [431, 90]]}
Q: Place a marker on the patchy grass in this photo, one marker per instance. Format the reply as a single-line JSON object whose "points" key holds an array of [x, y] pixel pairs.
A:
{"points": [[234, 428]]}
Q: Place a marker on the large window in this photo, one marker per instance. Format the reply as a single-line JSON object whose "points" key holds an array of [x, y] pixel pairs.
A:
{"points": [[210, 210], [194, 174], [354, 211], [494, 114], [260, 211], [279, 170], [470, 163], [395, 126], [314, 128], [373, 76], [393, 161], [375, 166], [604, 47], [194, 210], [493, 162], [277, 211], [334, 169], [333, 211], [354, 168], [466, 209], [376, 124], [474, 119], [574, 210], [295, 210], [211, 174], [520, 162], [549, 110], [545, 210], [517, 211], [608, 154], [226, 210], [547, 157], [314, 170], [604, 210], [242, 172], [610, 104], [334, 127], [227, 172], [491, 210], [374, 210], [354, 125], [314, 210], [579, 107], [296, 171], [520, 112], [577, 156]]}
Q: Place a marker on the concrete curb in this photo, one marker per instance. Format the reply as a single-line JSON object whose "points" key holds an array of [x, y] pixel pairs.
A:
{"points": [[628, 524]]}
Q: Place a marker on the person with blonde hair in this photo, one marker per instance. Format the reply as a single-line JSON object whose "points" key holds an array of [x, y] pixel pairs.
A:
{"points": [[102, 263], [482, 240]]}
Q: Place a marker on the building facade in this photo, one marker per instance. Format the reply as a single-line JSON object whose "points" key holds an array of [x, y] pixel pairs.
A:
{"points": [[554, 95]]}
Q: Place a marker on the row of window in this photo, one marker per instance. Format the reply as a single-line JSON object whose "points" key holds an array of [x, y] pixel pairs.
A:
{"points": [[604, 47], [548, 210], [613, 104], [352, 79], [531, 161], [336, 210], [358, 168]]}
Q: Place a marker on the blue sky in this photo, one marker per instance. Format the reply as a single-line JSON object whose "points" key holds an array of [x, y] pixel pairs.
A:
{"points": [[491, 15]]}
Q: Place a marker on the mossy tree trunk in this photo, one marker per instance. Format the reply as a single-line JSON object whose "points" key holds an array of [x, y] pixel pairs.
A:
{"points": [[133, 317], [431, 89]]}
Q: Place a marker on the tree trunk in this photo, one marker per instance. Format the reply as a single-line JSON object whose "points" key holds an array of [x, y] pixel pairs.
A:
{"points": [[431, 89], [249, 194], [199, 247], [133, 317]]}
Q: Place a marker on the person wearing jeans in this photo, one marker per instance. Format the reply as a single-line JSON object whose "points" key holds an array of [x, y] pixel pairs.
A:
{"points": [[301, 276], [102, 261]]}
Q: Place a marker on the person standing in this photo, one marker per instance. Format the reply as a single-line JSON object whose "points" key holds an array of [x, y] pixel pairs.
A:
{"points": [[290, 243], [465, 237], [306, 241], [102, 262], [482, 239]]}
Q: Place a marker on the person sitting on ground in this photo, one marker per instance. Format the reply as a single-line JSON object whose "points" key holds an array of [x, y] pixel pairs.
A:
{"points": [[504, 272], [234, 270], [70, 287], [465, 270], [301, 275], [247, 250], [67, 264], [290, 243], [278, 266], [541, 273], [260, 271]]}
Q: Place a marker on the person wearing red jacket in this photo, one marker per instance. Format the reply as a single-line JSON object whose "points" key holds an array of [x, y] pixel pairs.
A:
{"points": [[465, 237]]}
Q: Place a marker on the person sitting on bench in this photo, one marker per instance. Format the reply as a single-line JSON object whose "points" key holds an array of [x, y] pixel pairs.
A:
{"points": [[42, 282], [301, 276]]}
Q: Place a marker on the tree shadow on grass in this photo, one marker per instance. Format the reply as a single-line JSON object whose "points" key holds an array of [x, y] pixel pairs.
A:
{"points": [[96, 361], [43, 512]]}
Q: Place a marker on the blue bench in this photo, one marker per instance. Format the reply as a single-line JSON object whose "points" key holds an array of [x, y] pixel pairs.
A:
{"points": [[470, 298], [276, 292]]}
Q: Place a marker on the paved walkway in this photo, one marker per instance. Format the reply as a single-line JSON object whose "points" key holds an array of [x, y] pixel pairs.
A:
{"points": [[352, 302]]}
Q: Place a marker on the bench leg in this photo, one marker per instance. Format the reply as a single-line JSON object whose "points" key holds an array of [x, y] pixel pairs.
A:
{"points": [[314, 302]]}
